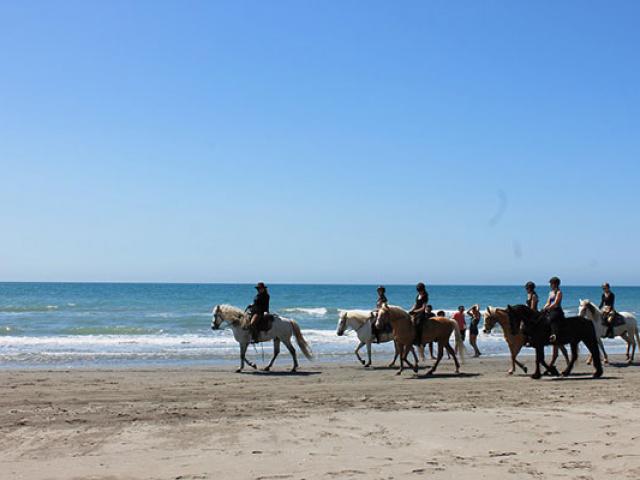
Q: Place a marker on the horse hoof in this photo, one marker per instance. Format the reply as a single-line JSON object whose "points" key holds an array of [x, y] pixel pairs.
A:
{"points": [[367, 365], [428, 373], [510, 372], [399, 372], [597, 374], [606, 361], [536, 376], [266, 369], [254, 366], [294, 370], [565, 373], [239, 370], [362, 362], [525, 369]]}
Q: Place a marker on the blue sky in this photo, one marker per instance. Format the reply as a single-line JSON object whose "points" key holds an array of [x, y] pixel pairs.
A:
{"points": [[450, 142]]}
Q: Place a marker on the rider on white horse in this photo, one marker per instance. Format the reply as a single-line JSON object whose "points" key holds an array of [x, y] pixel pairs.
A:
{"points": [[382, 300], [606, 306], [259, 308]]}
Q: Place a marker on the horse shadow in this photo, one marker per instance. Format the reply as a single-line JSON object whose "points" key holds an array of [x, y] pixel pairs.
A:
{"points": [[281, 373], [424, 376], [623, 364], [581, 377]]}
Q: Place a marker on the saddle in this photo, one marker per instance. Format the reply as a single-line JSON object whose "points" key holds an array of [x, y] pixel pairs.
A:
{"points": [[265, 323], [618, 320]]}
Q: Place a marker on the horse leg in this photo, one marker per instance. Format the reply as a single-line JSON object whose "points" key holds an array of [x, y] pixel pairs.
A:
{"points": [[574, 356], [415, 357], [276, 352], [521, 365], [539, 354], [292, 351], [401, 352], [368, 364], [563, 349], [357, 350], [592, 345], [604, 352], [243, 351], [438, 358], [413, 367], [452, 352]]}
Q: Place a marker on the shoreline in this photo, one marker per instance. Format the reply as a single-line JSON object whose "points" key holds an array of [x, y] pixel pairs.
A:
{"points": [[329, 421]]}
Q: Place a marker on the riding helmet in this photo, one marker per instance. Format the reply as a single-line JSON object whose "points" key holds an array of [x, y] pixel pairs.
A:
{"points": [[555, 280], [381, 289], [530, 285], [420, 286]]}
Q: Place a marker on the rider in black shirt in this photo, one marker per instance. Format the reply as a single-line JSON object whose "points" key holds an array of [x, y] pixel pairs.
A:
{"points": [[607, 303], [258, 309], [417, 312]]}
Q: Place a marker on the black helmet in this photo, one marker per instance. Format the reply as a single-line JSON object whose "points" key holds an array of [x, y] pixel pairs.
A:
{"points": [[381, 289], [420, 286], [530, 285], [555, 280]]}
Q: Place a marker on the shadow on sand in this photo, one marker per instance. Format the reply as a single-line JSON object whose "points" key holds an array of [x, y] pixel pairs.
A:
{"points": [[423, 376], [282, 373]]}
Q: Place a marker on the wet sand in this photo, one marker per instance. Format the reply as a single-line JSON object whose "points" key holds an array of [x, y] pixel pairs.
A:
{"points": [[330, 421]]}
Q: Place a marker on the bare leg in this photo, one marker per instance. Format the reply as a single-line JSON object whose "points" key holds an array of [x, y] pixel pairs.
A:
{"points": [[276, 352], [473, 340]]}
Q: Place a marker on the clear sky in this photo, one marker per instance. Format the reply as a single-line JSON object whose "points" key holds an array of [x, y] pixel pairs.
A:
{"points": [[318, 141]]}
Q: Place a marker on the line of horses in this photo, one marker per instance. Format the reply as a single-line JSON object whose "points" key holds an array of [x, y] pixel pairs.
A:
{"points": [[519, 325]]}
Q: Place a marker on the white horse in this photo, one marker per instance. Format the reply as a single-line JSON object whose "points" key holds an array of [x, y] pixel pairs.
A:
{"points": [[628, 331], [361, 322], [281, 331]]}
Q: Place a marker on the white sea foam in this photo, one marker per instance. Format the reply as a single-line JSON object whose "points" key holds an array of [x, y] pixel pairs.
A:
{"points": [[317, 311]]}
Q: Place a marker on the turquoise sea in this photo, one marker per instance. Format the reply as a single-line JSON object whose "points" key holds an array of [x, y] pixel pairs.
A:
{"points": [[70, 325]]}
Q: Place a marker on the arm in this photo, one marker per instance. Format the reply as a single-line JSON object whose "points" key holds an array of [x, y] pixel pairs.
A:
{"points": [[534, 303], [601, 302], [613, 299]]}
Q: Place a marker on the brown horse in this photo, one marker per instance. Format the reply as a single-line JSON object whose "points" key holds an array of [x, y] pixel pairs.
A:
{"points": [[515, 341], [435, 329]]}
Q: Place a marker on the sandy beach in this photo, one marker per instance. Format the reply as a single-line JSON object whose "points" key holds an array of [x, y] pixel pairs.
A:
{"points": [[330, 421]]}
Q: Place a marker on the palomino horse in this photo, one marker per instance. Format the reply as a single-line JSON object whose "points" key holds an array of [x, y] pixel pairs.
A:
{"points": [[515, 341], [281, 331], [435, 329], [361, 322], [628, 331]]}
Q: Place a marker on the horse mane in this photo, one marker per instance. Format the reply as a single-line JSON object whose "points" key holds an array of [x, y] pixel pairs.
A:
{"points": [[360, 316], [589, 306], [233, 314]]}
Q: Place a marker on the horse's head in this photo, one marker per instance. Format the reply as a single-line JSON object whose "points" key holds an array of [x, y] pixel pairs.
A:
{"points": [[383, 316], [587, 309], [342, 324], [216, 319], [489, 319]]}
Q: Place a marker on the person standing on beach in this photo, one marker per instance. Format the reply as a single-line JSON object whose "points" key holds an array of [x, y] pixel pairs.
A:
{"points": [[474, 313], [553, 308], [419, 307], [607, 303], [462, 324], [258, 309]]}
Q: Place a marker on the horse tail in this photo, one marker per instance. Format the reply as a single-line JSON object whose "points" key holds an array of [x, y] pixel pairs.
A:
{"points": [[635, 332], [459, 342], [302, 343]]}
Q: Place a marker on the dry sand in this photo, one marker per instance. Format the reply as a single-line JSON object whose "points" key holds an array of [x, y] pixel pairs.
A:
{"points": [[330, 422]]}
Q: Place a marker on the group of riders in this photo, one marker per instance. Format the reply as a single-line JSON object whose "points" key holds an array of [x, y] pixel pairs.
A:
{"points": [[422, 310]]}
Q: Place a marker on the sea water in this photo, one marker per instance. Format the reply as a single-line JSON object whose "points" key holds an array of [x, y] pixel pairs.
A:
{"points": [[70, 325]]}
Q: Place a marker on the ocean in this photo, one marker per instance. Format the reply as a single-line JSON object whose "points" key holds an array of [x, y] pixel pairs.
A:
{"points": [[78, 325]]}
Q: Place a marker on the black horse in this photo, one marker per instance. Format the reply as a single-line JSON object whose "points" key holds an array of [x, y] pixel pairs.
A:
{"points": [[571, 330]]}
